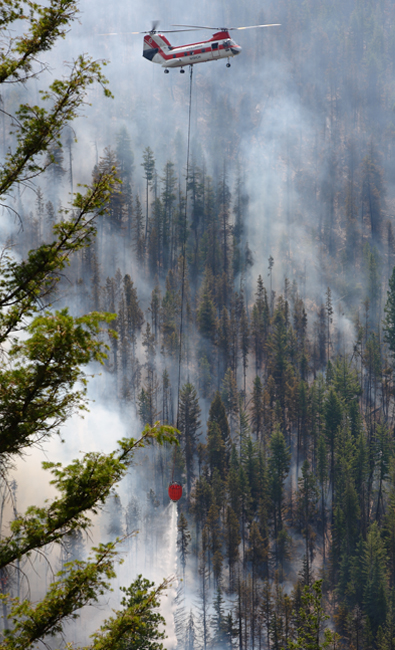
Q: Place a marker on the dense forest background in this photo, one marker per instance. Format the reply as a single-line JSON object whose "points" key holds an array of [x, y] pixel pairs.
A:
{"points": [[285, 403]]}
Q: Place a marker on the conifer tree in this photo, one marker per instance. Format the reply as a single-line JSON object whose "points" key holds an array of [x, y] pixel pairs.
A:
{"points": [[257, 409], [206, 314], [307, 500], [245, 345], [333, 418], [322, 474], [149, 168], [279, 463], [375, 592], [389, 310], [232, 541], [125, 156], [183, 541], [260, 324], [217, 414], [138, 231], [189, 424], [372, 193], [310, 633]]}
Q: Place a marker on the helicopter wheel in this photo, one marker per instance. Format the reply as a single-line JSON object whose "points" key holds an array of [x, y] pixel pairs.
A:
{"points": [[228, 65], [182, 71], [166, 71]]}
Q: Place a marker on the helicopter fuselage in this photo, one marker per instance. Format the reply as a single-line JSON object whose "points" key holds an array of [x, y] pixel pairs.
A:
{"points": [[159, 50]]}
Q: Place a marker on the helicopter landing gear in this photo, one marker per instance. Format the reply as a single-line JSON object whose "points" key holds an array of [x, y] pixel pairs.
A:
{"points": [[166, 71], [228, 65], [182, 71]]}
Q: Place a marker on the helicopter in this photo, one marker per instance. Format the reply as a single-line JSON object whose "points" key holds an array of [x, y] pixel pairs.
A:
{"points": [[157, 48]]}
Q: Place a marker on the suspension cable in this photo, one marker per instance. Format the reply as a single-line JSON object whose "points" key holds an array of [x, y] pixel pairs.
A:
{"points": [[184, 238]]}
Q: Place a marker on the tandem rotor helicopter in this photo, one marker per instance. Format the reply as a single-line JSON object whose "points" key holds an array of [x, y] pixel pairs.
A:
{"points": [[158, 49]]}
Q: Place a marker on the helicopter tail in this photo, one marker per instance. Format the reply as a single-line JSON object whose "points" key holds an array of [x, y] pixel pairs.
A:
{"points": [[156, 47]]}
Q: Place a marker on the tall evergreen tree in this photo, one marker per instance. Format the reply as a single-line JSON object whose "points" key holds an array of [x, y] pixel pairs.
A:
{"points": [[189, 424]]}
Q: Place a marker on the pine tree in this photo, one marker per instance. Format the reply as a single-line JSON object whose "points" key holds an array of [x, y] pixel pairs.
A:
{"points": [[307, 510], [218, 621], [260, 324], [224, 346], [257, 414], [245, 345], [372, 193], [332, 418], [149, 168], [232, 541], [375, 592], [138, 232], [141, 597], [322, 474], [189, 424], [217, 414], [206, 314], [134, 317], [183, 541], [230, 397], [279, 463], [168, 216], [125, 156], [312, 617], [389, 310], [190, 636]]}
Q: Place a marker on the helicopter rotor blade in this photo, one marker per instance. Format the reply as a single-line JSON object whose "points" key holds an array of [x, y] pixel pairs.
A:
{"points": [[255, 26], [120, 33], [175, 31], [190, 28], [228, 29], [164, 31], [197, 26]]}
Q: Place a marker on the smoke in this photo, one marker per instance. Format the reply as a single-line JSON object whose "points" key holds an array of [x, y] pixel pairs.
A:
{"points": [[264, 114]]}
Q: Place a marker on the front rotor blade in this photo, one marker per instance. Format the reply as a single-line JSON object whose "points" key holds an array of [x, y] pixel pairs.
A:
{"points": [[175, 31], [121, 33], [162, 31], [197, 26]]}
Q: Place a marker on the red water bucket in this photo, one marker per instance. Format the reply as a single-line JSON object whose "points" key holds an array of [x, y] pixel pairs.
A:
{"points": [[175, 491]]}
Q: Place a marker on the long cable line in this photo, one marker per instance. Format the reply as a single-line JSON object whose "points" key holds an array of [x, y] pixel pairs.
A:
{"points": [[184, 238]]}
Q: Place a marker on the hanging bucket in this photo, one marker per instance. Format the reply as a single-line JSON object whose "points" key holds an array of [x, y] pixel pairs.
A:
{"points": [[175, 491]]}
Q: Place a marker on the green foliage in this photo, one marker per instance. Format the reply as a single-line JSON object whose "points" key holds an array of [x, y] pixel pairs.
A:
{"points": [[42, 381], [37, 394], [389, 310], [312, 617], [136, 625]]}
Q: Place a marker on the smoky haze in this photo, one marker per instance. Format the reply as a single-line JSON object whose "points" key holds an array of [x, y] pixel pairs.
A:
{"points": [[298, 121]]}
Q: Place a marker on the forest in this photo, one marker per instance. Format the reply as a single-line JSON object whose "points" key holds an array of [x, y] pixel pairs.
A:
{"points": [[252, 289]]}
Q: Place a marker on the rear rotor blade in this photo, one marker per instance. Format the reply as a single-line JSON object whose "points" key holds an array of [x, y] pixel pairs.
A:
{"points": [[255, 26]]}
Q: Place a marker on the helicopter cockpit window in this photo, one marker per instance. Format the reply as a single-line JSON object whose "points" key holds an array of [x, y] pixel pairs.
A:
{"points": [[227, 43], [214, 46]]}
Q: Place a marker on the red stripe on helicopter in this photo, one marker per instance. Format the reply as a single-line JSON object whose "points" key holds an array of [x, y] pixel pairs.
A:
{"points": [[167, 57]]}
